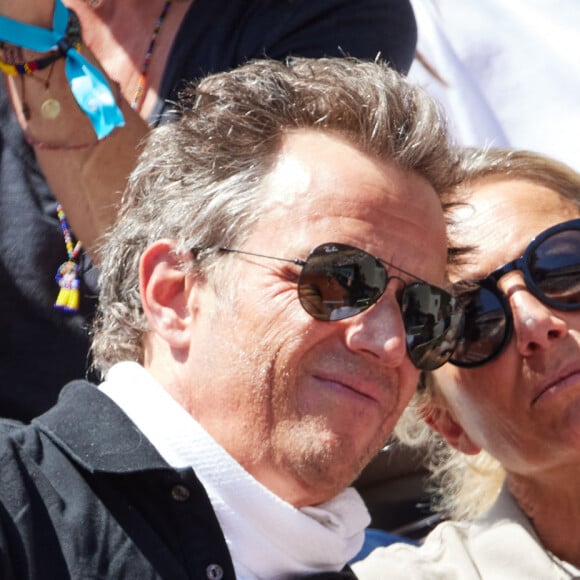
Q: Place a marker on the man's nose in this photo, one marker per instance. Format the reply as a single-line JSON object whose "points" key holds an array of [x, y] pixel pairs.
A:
{"points": [[379, 331]]}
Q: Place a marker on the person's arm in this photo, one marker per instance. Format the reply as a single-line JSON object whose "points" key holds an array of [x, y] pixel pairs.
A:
{"points": [[85, 174]]}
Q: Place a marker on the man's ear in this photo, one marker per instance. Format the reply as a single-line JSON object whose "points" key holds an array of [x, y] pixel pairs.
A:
{"points": [[440, 419], [165, 291]]}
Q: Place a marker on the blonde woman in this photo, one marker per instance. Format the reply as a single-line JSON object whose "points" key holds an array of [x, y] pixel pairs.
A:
{"points": [[503, 420]]}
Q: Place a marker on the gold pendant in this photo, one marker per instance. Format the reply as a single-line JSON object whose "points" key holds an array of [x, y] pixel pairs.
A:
{"points": [[50, 109]]}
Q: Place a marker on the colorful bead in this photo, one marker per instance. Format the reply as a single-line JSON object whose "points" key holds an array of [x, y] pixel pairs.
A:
{"points": [[68, 298], [143, 77], [29, 68]]}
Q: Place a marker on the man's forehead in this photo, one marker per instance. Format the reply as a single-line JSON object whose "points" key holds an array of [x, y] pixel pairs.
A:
{"points": [[316, 169], [290, 179], [350, 197]]}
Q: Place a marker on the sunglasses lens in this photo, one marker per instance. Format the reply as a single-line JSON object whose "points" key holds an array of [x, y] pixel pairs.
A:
{"points": [[339, 281], [432, 323], [485, 330], [554, 268]]}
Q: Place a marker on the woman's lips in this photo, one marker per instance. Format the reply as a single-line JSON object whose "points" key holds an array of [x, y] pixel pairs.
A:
{"points": [[564, 379]]}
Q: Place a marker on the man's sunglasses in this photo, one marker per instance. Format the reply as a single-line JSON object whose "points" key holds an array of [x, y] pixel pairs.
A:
{"points": [[551, 270], [338, 281]]}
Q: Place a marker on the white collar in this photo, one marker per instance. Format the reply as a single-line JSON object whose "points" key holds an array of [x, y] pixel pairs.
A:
{"points": [[267, 537]]}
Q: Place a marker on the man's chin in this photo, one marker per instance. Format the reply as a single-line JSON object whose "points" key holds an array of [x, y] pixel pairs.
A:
{"points": [[331, 471]]}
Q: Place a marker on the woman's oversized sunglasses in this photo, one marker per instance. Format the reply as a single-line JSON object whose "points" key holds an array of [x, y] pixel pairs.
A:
{"points": [[338, 281], [551, 270]]}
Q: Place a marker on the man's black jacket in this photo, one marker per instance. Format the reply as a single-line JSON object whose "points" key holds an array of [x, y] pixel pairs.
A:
{"points": [[84, 495]]}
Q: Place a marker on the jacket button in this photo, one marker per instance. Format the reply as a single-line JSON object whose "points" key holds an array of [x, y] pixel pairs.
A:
{"points": [[180, 493], [214, 572]]}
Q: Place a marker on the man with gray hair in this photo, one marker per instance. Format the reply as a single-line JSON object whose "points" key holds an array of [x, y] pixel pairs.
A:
{"points": [[269, 293]]}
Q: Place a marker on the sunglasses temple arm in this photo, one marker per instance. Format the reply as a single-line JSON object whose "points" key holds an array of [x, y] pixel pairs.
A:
{"points": [[296, 261]]}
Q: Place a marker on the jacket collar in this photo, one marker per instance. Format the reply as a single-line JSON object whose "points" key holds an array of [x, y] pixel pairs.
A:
{"points": [[96, 433]]}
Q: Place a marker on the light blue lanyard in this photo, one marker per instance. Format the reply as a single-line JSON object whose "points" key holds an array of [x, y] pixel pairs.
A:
{"points": [[88, 85]]}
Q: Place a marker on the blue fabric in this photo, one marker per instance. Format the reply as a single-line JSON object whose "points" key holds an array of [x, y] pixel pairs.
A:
{"points": [[88, 85], [375, 538]]}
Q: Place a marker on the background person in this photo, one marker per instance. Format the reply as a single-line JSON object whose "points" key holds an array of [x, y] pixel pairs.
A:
{"points": [[222, 382], [508, 406], [150, 49], [507, 73]]}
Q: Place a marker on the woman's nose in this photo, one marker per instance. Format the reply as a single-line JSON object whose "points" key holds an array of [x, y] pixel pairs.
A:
{"points": [[536, 325]]}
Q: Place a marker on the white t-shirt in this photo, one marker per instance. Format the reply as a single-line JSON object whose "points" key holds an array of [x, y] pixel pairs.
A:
{"points": [[267, 537]]}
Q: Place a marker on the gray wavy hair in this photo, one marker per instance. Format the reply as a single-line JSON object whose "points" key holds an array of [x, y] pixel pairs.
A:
{"points": [[199, 179], [464, 486]]}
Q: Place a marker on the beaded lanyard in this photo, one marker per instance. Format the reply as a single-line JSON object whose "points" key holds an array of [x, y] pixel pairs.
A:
{"points": [[145, 69], [67, 275]]}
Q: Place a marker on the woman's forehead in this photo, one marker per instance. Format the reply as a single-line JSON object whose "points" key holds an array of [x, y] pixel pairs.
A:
{"points": [[499, 219]]}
